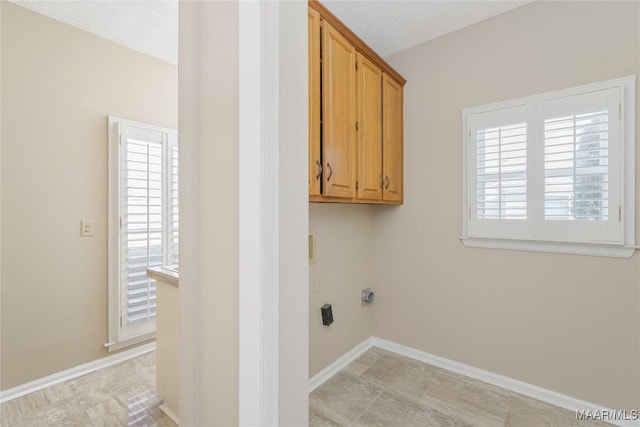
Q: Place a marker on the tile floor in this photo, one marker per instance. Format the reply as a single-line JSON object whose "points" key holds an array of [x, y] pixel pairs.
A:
{"points": [[381, 388], [378, 389], [120, 395]]}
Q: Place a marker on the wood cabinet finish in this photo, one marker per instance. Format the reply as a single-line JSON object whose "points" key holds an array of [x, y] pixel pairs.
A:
{"points": [[369, 130], [392, 140], [315, 165], [339, 114]]}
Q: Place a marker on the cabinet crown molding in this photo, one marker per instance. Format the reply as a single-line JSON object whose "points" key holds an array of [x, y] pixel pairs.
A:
{"points": [[356, 41]]}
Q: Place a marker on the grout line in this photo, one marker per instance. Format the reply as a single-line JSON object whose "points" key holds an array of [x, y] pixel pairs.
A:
{"points": [[371, 404]]}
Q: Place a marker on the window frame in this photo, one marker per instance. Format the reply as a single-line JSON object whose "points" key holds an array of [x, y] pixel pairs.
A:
{"points": [[119, 335], [535, 171]]}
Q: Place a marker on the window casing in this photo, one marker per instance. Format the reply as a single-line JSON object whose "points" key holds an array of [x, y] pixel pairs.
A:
{"points": [[143, 224], [553, 172]]}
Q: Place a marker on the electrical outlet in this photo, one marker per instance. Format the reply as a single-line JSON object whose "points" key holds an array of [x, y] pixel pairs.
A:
{"points": [[87, 228]]}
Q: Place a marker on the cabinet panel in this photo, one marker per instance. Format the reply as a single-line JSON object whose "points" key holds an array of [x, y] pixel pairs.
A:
{"points": [[392, 139], [315, 164], [339, 114], [369, 131]]}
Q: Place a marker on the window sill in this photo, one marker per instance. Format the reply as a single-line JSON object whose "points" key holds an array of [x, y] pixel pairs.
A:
{"points": [[614, 251], [117, 345]]}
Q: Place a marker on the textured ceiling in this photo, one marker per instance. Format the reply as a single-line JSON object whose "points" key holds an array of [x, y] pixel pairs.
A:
{"points": [[391, 26], [388, 26], [149, 26]]}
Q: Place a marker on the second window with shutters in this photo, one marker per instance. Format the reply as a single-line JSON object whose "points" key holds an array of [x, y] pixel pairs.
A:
{"points": [[553, 169], [144, 199]]}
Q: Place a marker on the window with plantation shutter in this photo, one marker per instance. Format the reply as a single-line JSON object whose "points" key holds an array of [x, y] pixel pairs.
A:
{"points": [[553, 172], [146, 193]]}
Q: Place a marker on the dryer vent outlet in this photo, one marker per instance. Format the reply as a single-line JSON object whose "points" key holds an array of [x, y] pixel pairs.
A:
{"points": [[367, 296]]}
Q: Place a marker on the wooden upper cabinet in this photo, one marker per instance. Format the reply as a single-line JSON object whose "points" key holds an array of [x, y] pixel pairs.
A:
{"points": [[369, 130], [315, 165], [355, 117], [392, 168], [339, 114]]}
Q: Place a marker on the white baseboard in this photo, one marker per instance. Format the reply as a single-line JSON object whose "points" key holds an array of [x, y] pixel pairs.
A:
{"points": [[318, 379], [529, 390], [169, 413], [75, 372]]}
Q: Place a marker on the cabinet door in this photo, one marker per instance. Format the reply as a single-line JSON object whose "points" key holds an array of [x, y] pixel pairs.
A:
{"points": [[315, 165], [339, 114], [369, 130], [391, 139]]}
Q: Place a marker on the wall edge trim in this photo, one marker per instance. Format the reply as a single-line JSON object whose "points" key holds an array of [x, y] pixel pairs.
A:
{"points": [[169, 413], [77, 371], [318, 379]]}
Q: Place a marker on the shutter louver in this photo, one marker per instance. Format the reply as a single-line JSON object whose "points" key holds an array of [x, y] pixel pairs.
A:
{"points": [[142, 239], [577, 167], [174, 220], [501, 171]]}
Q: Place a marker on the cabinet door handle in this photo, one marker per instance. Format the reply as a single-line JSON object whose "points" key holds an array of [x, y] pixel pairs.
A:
{"points": [[319, 169], [388, 182], [381, 181], [330, 171]]}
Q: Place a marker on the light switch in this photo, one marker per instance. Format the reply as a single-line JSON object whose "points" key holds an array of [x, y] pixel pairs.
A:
{"points": [[87, 228]]}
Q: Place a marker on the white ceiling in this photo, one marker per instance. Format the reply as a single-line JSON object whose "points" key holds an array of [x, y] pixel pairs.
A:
{"points": [[388, 26]]}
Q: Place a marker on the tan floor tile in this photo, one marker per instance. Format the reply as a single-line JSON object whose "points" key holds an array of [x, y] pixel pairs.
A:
{"points": [[403, 375], [524, 411], [57, 415], [394, 410], [476, 402], [76, 419], [343, 398], [33, 402], [362, 363], [316, 419], [412, 393], [57, 393], [9, 412], [109, 413], [120, 395]]}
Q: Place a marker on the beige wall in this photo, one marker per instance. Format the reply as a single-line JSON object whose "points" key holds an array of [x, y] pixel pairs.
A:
{"points": [[343, 264], [59, 84], [168, 345], [214, 210], [293, 272], [567, 323]]}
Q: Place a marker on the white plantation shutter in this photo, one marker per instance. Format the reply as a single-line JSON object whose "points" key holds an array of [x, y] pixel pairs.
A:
{"points": [[498, 165], [576, 166], [582, 162], [501, 168], [174, 220], [148, 232]]}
